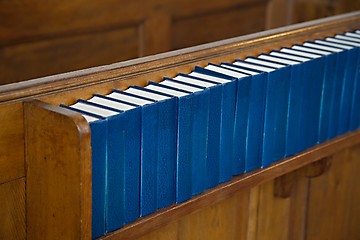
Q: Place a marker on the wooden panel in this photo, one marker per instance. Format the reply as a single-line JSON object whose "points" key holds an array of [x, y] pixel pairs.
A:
{"points": [[12, 210], [353, 223], [167, 232], [224, 220], [218, 25], [273, 214], [41, 58], [305, 10], [279, 13], [335, 197], [24, 20], [12, 163], [58, 177]]}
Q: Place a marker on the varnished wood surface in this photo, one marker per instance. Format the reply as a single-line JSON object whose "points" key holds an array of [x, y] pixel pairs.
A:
{"points": [[139, 71], [58, 176], [245, 181], [12, 164], [50, 129], [48, 38], [12, 210]]}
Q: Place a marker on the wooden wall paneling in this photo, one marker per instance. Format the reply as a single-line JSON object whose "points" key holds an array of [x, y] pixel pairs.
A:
{"points": [[282, 204], [218, 24], [279, 13], [43, 38], [273, 214], [353, 223], [51, 56], [305, 10], [12, 210], [155, 33], [12, 163], [166, 232], [224, 220], [347, 6], [334, 197], [297, 211], [155, 67], [25, 20], [58, 177]]}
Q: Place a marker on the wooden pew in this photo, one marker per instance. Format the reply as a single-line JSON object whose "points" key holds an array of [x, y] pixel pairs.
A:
{"points": [[45, 159]]}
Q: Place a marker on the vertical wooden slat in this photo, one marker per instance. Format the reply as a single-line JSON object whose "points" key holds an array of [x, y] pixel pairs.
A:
{"points": [[12, 210], [155, 33], [354, 200], [58, 179], [227, 219], [254, 193], [333, 211], [273, 221], [298, 205], [12, 163]]}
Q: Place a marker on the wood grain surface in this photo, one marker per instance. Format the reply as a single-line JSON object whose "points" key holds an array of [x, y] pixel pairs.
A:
{"points": [[12, 210], [58, 176]]}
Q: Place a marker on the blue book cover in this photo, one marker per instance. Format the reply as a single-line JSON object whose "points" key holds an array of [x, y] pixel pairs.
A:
{"points": [[336, 61], [283, 70], [313, 77], [275, 106], [227, 118], [193, 113], [294, 119], [328, 92], [201, 102], [347, 105], [326, 102], [165, 146], [243, 81], [98, 127], [297, 101], [99, 151], [149, 141], [355, 109], [341, 68], [347, 84], [253, 124], [213, 143], [123, 166], [213, 148]]}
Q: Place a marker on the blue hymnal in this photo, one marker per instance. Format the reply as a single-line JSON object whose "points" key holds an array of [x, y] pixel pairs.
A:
{"points": [[347, 82], [283, 87], [351, 87], [162, 194], [149, 140], [313, 75], [294, 119], [213, 148], [243, 91], [249, 117], [229, 85], [193, 112], [276, 103], [123, 161]]}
